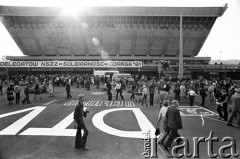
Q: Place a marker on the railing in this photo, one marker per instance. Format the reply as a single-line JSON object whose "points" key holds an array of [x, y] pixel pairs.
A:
{"points": [[209, 66]]}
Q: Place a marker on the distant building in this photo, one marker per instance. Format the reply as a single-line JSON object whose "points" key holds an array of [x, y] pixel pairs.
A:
{"points": [[125, 39]]}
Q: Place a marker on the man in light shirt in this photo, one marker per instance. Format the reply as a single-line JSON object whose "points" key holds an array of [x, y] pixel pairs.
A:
{"points": [[119, 90], [144, 95], [162, 124], [192, 95]]}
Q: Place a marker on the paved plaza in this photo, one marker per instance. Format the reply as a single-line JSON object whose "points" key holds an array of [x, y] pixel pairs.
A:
{"points": [[45, 129]]}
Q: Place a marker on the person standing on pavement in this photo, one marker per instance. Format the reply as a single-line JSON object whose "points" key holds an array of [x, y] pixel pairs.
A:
{"points": [[151, 93], [222, 104], [80, 140], [183, 92], [68, 87], [17, 91], [97, 82], [10, 95], [211, 94], [163, 90], [144, 95], [177, 91], [235, 106], [109, 90], [88, 83], [133, 91], [119, 90], [26, 91], [50, 89], [192, 95], [203, 94], [37, 90]]}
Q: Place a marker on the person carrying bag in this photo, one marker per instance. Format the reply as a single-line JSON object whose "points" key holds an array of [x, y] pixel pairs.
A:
{"points": [[173, 124], [161, 124]]}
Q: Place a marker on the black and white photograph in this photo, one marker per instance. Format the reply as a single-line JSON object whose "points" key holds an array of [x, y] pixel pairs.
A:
{"points": [[129, 79]]}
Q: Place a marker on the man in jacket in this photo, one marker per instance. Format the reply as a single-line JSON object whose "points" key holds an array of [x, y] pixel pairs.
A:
{"points": [[109, 90], [223, 104], [203, 94], [151, 91], [177, 91], [68, 90], [235, 100], [26, 91], [174, 123], [79, 113]]}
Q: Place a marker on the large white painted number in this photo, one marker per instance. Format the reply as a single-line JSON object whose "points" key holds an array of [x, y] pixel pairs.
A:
{"points": [[144, 123], [14, 128], [57, 130], [60, 128]]}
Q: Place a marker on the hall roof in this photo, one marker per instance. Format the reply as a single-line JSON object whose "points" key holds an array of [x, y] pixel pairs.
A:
{"points": [[109, 31]]}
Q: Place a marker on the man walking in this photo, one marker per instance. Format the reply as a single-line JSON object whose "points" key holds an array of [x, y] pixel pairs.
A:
{"points": [[80, 140], [235, 100], [174, 123], [26, 91], [68, 90]]}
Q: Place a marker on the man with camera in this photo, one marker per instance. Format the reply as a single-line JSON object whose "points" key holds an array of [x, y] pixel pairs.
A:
{"points": [[80, 140]]}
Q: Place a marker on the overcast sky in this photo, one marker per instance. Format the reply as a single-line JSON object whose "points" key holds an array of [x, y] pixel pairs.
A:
{"points": [[224, 36]]}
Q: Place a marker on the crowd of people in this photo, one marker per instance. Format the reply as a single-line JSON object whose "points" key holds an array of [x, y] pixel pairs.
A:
{"points": [[184, 90], [223, 93], [227, 97], [219, 91]]}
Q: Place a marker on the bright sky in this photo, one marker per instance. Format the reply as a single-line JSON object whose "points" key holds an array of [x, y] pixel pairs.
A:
{"points": [[223, 40]]}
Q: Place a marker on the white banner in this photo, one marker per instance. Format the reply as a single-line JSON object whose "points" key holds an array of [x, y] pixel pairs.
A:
{"points": [[70, 64]]}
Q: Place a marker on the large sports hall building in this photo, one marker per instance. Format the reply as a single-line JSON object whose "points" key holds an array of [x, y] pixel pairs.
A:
{"points": [[126, 39]]}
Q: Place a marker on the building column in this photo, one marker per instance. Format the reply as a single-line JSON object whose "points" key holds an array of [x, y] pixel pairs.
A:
{"points": [[180, 70]]}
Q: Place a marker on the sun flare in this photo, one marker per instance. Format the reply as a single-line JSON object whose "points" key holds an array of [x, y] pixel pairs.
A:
{"points": [[72, 10]]}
